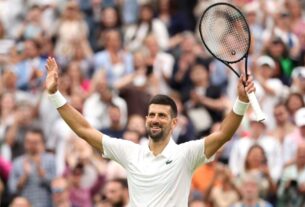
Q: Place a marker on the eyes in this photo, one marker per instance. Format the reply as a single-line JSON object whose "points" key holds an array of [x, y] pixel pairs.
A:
{"points": [[158, 115]]}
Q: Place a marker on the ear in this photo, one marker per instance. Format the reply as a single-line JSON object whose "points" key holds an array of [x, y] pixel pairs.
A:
{"points": [[174, 122]]}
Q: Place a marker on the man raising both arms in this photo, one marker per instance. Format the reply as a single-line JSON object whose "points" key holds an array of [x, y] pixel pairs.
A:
{"points": [[160, 173]]}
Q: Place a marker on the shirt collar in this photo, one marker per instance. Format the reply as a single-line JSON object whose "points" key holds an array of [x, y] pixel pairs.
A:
{"points": [[167, 151]]}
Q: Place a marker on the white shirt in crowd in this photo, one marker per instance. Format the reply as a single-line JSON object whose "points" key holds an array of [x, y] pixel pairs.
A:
{"points": [[162, 180], [271, 147], [95, 111]]}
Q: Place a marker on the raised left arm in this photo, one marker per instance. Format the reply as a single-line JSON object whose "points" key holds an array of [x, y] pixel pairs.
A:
{"points": [[231, 122]]}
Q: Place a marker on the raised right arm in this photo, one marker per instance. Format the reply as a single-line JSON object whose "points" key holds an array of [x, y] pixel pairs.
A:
{"points": [[70, 115]]}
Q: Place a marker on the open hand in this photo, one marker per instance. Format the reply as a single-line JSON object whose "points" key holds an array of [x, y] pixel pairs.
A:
{"points": [[52, 77]]}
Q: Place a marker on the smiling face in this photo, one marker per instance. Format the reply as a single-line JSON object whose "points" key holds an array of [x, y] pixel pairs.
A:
{"points": [[159, 122]]}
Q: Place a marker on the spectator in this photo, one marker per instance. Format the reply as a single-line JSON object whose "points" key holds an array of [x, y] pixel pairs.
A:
{"points": [[222, 191], [79, 195], [72, 29], [292, 186], [116, 192], [32, 172], [284, 125], [115, 61], [250, 192], [32, 27], [185, 129], [109, 20], [295, 138], [257, 135], [137, 123], [15, 133], [279, 52], [146, 25], [95, 106], [161, 63], [30, 71], [257, 162], [271, 89], [294, 102], [60, 193], [115, 129], [136, 88], [206, 100]]}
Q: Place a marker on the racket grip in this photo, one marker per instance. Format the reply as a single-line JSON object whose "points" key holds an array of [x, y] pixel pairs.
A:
{"points": [[260, 116]]}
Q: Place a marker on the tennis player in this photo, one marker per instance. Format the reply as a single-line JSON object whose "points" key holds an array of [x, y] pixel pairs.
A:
{"points": [[160, 173]]}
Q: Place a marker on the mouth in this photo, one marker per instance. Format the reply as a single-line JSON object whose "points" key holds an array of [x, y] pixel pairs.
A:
{"points": [[155, 129]]}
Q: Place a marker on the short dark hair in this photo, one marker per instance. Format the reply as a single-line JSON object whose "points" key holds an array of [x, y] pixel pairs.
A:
{"points": [[36, 130], [122, 181], [165, 100]]}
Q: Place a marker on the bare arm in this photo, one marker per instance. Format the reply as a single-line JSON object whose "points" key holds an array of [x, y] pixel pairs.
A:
{"points": [[70, 115], [230, 124]]}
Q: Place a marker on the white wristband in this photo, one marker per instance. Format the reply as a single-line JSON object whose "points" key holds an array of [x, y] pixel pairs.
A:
{"points": [[57, 99], [240, 107]]}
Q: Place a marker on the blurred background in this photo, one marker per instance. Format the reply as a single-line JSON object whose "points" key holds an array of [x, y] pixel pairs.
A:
{"points": [[116, 54]]}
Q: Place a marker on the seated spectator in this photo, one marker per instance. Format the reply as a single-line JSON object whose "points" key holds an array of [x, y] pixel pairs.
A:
{"points": [[295, 138], [95, 106], [115, 129], [114, 60], [116, 192], [222, 191], [294, 102], [292, 185], [146, 25], [30, 71], [250, 192], [60, 193], [32, 172], [256, 162], [284, 125], [15, 134], [79, 195], [20, 202], [72, 29], [257, 135], [137, 123]]}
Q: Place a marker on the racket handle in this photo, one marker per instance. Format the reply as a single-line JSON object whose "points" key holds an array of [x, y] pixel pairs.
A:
{"points": [[260, 116]]}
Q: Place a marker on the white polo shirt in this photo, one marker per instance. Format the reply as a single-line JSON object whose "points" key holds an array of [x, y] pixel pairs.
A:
{"points": [[157, 181]]}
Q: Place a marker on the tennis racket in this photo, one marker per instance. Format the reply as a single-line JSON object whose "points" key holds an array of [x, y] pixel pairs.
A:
{"points": [[226, 35]]}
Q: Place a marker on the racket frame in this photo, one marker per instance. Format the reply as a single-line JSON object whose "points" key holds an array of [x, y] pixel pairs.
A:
{"points": [[260, 116]]}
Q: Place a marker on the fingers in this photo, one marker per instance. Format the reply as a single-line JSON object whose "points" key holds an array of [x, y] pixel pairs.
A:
{"points": [[51, 64], [248, 84]]}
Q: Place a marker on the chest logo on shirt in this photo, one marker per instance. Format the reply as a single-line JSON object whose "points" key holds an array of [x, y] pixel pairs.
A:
{"points": [[168, 162]]}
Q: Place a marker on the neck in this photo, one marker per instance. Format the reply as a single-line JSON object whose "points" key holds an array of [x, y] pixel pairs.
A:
{"points": [[250, 202], [158, 146]]}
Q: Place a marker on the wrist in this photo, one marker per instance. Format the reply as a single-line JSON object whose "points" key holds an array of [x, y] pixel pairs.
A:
{"points": [[57, 99], [240, 107]]}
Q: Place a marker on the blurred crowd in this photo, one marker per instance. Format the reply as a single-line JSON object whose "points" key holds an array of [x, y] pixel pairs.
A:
{"points": [[116, 54]]}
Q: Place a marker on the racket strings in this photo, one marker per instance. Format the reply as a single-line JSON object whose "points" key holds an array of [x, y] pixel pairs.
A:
{"points": [[225, 32]]}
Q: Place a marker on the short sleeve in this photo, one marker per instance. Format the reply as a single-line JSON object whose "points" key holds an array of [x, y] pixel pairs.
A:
{"points": [[118, 150], [194, 153]]}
